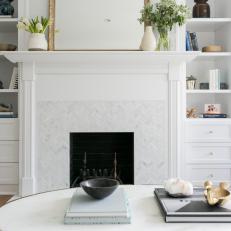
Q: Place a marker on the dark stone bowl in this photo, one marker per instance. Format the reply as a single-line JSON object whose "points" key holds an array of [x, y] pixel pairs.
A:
{"points": [[99, 188]]}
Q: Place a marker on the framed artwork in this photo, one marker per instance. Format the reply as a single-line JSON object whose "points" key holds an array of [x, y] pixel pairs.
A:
{"points": [[95, 24], [212, 109]]}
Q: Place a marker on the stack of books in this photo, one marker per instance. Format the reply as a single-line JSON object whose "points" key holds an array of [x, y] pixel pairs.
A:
{"points": [[192, 209], [191, 42], [7, 115], [110, 210], [214, 79]]}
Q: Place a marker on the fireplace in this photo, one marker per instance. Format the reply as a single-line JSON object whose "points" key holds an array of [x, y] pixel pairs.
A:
{"points": [[101, 155]]}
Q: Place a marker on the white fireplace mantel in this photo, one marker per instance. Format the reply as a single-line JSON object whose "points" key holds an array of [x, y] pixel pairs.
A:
{"points": [[130, 63]]}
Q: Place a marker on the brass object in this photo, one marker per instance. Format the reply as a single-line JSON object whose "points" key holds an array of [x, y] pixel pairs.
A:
{"points": [[212, 48], [51, 33], [216, 195], [191, 113]]}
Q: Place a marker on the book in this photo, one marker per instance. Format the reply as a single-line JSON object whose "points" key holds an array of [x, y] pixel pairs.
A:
{"points": [[6, 113], [188, 42], [212, 116], [193, 209], [8, 116], [86, 210], [194, 41], [214, 79], [14, 79]]}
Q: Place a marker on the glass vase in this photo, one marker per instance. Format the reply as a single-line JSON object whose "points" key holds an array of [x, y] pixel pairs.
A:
{"points": [[163, 41]]}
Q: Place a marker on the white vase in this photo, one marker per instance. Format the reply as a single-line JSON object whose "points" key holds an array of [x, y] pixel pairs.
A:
{"points": [[149, 40], [37, 42]]}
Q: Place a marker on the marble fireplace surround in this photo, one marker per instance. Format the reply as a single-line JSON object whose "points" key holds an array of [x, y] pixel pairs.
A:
{"points": [[98, 91]]}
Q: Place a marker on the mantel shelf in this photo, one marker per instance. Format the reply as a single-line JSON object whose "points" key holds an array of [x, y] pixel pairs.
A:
{"points": [[142, 58]]}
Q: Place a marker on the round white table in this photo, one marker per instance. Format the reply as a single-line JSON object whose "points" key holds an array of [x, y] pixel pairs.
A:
{"points": [[45, 212]]}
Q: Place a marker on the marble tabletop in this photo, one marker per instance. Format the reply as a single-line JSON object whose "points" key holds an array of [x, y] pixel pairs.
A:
{"points": [[45, 212]]}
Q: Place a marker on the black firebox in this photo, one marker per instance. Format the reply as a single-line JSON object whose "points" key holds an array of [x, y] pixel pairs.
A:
{"points": [[107, 154]]}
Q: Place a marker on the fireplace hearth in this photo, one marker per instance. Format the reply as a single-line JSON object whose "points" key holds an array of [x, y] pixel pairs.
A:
{"points": [[94, 155]]}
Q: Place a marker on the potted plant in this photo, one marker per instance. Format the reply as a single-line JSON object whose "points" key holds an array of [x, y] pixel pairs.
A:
{"points": [[168, 13], [37, 28], [148, 42]]}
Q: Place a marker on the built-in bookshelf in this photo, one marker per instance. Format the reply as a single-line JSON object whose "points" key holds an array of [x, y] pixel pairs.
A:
{"points": [[211, 31]]}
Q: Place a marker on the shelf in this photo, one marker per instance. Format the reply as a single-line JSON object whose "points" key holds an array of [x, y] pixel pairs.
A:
{"points": [[206, 121], [213, 55], [8, 25], [8, 90], [206, 24], [208, 91]]}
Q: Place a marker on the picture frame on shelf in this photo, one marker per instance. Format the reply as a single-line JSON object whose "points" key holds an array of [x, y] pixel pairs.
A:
{"points": [[212, 109]]}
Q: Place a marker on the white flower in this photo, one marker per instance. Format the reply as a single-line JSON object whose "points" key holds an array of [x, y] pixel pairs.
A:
{"points": [[39, 26], [25, 21], [21, 26]]}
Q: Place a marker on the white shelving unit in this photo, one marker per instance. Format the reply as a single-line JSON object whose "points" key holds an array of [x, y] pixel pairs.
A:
{"points": [[9, 134], [205, 136]]}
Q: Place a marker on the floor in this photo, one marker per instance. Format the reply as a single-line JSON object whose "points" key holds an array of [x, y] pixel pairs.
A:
{"points": [[4, 199]]}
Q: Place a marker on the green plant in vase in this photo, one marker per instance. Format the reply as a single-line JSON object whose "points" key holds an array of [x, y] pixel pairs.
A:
{"points": [[167, 14]]}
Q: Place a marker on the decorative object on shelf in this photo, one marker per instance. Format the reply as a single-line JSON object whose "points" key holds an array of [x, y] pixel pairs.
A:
{"points": [[14, 79], [6, 8], [224, 86], [212, 109], [148, 42], [212, 48], [6, 108], [214, 79], [216, 196], [99, 188], [167, 14], [37, 28], [1, 85], [201, 9], [191, 83], [7, 47], [191, 113], [178, 188], [204, 86]]}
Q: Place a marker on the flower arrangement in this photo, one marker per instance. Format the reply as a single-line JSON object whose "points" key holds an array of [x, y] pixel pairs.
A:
{"points": [[167, 14], [164, 15], [35, 25]]}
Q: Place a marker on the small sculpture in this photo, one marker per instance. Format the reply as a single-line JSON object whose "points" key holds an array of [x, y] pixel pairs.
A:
{"points": [[191, 113], [216, 195], [178, 188], [1, 85], [6, 8]]}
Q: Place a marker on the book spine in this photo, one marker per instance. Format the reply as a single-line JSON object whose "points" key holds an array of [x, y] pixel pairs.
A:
{"points": [[213, 116], [194, 41], [188, 47], [96, 220], [8, 116]]}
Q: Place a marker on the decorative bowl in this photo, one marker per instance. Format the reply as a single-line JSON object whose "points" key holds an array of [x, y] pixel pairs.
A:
{"points": [[99, 188], [7, 47], [216, 196]]}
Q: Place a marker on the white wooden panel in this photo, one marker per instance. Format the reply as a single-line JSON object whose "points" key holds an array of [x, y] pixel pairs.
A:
{"points": [[207, 153], [8, 173], [208, 132], [9, 151], [9, 129], [101, 24], [199, 174]]}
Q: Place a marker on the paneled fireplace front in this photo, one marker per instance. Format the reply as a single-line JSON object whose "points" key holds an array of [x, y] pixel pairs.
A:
{"points": [[107, 154]]}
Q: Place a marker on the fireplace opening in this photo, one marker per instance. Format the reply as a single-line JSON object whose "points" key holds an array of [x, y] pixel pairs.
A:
{"points": [[94, 155]]}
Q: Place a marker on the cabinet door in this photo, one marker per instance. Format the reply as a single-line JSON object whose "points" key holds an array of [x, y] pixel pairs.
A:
{"points": [[9, 129], [9, 173], [9, 151]]}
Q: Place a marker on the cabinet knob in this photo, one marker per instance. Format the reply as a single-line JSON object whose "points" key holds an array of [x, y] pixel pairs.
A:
{"points": [[211, 132], [211, 153], [211, 176]]}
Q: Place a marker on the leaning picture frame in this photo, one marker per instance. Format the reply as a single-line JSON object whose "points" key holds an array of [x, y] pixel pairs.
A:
{"points": [[113, 27]]}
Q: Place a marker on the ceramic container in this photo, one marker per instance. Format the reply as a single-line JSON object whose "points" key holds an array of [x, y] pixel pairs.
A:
{"points": [[37, 42], [148, 42]]}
